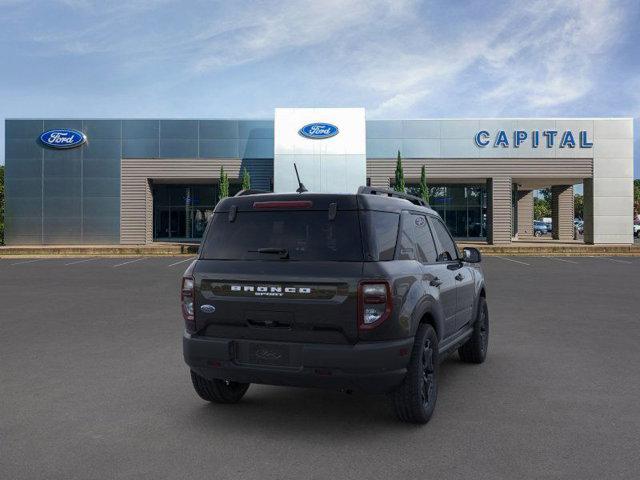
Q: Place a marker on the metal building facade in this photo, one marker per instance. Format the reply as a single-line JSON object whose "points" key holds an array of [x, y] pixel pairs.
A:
{"points": [[79, 196], [102, 191]]}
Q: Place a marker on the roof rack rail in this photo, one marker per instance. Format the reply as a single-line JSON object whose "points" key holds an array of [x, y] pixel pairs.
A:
{"points": [[250, 191], [392, 193]]}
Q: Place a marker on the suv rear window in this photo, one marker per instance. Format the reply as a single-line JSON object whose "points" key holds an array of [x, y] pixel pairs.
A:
{"points": [[305, 234]]}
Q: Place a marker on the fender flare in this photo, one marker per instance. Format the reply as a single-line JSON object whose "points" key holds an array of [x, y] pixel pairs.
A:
{"points": [[476, 301], [429, 307]]}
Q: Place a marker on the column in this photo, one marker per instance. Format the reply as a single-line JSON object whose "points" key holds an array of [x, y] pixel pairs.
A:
{"points": [[562, 211], [525, 214], [499, 210], [612, 192], [588, 210]]}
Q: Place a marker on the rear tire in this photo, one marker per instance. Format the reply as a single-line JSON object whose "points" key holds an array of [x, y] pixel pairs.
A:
{"points": [[475, 350], [218, 391], [415, 399]]}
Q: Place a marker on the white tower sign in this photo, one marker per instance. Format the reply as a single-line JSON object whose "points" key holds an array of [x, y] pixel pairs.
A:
{"points": [[327, 144]]}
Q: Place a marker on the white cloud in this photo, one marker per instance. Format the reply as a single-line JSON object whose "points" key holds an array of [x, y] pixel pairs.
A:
{"points": [[530, 59], [551, 60], [315, 26], [398, 103], [396, 56]]}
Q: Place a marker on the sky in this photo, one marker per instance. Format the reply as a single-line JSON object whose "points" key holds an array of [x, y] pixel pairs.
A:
{"points": [[242, 59]]}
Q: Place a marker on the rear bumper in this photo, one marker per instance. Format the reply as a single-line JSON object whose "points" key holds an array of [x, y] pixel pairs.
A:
{"points": [[373, 367]]}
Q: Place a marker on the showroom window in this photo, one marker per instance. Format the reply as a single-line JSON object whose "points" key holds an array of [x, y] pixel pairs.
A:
{"points": [[181, 211], [462, 207]]}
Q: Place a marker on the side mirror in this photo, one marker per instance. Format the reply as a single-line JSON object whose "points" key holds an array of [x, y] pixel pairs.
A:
{"points": [[471, 255]]}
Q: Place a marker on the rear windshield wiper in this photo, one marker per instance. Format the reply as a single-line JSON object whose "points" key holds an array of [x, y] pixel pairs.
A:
{"points": [[283, 252]]}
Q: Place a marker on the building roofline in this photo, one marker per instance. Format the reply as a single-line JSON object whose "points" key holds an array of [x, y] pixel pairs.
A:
{"points": [[232, 119]]}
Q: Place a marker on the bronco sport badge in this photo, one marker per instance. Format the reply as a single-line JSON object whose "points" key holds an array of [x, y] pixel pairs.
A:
{"points": [[269, 291]]}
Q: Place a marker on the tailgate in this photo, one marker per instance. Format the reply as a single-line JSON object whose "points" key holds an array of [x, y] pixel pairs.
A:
{"points": [[285, 301]]}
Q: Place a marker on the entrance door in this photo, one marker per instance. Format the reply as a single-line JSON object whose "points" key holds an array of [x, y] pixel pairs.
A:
{"points": [[181, 211], [178, 223], [161, 228]]}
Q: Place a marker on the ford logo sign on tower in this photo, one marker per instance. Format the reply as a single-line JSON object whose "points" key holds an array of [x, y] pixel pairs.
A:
{"points": [[329, 159], [62, 138], [318, 130]]}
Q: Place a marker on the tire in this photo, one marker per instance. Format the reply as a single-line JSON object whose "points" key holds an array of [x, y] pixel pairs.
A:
{"points": [[475, 349], [415, 399], [218, 391], [537, 233]]}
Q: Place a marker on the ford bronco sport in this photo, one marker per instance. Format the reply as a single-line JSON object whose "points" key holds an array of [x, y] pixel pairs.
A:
{"points": [[363, 291]]}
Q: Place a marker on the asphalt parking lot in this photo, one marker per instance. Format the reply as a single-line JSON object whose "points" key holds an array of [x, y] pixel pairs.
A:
{"points": [[93, 386]]}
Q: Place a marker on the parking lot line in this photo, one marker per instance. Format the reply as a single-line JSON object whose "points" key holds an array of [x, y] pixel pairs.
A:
{"points": [[127, 263], [514, 261], [562, 260], [618, 261], [27, 261], [79, 261], [182, 261]]}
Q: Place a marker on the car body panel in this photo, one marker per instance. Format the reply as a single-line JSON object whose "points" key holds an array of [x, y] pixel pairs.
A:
{"points": [[292, 322]]}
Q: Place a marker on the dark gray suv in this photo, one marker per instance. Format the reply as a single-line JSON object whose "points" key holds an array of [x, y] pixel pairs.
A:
{"points": [[363, 291]]}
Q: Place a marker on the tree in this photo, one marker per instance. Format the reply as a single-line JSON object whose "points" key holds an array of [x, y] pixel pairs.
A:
{"points": [[542, 204], [1, 204], [578, 206], [224, 184], [399, 184], [541, 208], [546, 194], [246, 179], [424, 190]]}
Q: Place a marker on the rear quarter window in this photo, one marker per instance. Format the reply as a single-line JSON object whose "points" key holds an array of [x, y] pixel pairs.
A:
{"points": [[382, 233]]}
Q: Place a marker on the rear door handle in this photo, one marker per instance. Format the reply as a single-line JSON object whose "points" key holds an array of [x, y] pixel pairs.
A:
{"points": [[436, 282], [459, 277]]}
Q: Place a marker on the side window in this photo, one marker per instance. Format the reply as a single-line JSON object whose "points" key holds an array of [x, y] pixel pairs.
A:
{"points": [[426, 248], [406, 243], [448, 249]]}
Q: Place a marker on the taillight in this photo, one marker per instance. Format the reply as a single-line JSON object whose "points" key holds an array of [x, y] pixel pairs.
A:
{"points": [[186, 299], [374, 304]]}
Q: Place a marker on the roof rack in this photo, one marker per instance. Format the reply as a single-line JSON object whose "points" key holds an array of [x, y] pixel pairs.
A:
{"points": [[392, 193], [250, 191]]}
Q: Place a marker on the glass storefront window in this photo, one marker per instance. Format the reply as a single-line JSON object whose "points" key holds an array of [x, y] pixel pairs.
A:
{"points": [[462, 207], [181, 211]]}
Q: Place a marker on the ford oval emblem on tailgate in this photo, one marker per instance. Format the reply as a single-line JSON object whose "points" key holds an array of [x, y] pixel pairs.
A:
{"points": [[207, 308]]}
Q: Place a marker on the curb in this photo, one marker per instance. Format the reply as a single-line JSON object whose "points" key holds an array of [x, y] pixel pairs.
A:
{"points": [[546, 251], [115, 251], [190, 249]]}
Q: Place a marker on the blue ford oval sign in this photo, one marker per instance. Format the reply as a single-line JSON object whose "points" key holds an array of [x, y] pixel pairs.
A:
{"points": [[318, 130], [63, 138]]}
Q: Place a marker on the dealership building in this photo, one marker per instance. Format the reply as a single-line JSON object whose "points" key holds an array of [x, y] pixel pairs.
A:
{"points": [[138, 181]]}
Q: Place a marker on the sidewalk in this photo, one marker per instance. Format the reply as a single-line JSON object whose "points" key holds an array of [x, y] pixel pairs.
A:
{"points": [[533, 248], [553, 247], [101, 250]]}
